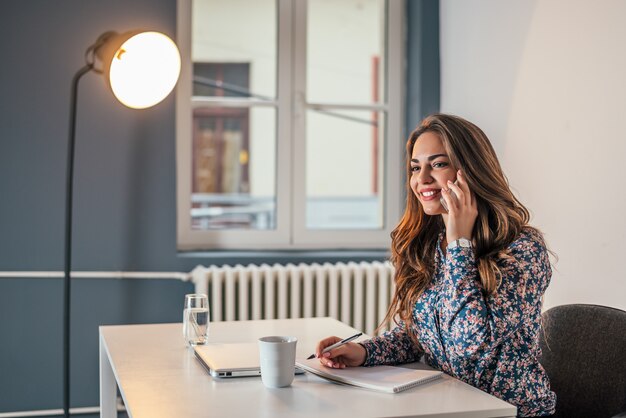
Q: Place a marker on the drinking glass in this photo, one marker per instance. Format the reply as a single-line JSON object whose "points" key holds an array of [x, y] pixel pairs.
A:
{"points": [[196, 319]]}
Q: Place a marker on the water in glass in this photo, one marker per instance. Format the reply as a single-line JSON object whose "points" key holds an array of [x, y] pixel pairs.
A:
{"points": [[196, 320], [196, 325]]}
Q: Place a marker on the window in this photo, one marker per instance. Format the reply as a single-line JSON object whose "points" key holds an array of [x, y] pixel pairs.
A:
{"points": [[289, 123]]}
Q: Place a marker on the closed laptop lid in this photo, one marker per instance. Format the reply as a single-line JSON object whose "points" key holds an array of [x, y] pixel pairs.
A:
{"points": [[229, 357]]}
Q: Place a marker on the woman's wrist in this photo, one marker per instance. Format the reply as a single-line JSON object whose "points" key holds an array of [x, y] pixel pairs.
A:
{"points": [[365, 353], [460, 242]]}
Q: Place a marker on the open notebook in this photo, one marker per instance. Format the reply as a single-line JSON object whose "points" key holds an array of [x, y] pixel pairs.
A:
{"points": [[388, 379]]}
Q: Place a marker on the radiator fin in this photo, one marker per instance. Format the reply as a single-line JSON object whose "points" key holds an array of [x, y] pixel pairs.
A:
{"points": [[355, 293]]}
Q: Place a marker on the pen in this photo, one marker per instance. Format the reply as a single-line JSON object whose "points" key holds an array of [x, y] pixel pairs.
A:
{"points": [[338, 344]]}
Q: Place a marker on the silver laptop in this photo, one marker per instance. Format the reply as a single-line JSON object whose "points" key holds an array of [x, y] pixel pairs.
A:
{"points": [[231, 359]]}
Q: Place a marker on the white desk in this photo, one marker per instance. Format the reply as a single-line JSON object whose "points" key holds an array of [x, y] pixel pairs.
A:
{"points": [[159, 377]]}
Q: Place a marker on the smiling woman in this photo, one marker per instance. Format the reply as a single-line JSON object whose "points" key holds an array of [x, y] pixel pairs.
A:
{"points": [[469, 279], [430, 172], [481, 206]]}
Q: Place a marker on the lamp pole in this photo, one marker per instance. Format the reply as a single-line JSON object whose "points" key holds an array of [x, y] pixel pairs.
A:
{"points": [[68, 239], [105, 48]]}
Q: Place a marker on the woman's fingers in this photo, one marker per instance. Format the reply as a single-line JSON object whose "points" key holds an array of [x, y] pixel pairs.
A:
{"points": [[462, 183], [458, 191], [463, 212], [350, 354], [335, 363], [335, 357], [471, 199], [325, 343], [337, 352], [450, 203], [347, 355]]}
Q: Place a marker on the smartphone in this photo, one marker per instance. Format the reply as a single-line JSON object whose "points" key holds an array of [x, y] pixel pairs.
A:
{"points": [[443, 201]]}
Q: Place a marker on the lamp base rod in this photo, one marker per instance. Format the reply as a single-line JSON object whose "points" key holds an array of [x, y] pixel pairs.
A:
{"points": [[68, 239]]}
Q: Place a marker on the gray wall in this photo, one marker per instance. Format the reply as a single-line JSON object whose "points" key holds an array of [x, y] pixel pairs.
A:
{"points": [[124, 211]]}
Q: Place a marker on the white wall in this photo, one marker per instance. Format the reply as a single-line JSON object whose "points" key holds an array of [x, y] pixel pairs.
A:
{"points": [[546, 80]]}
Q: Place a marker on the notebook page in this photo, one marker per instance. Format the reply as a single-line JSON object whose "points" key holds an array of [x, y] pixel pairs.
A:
{"points": [[388, 379]]}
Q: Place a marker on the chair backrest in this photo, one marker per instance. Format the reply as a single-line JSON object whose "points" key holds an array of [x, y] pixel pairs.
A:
{"points": [[584, 354]]}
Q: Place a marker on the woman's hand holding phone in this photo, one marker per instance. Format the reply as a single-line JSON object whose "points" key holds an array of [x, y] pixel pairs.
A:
{"points": [[462, 209], [443, 201]]}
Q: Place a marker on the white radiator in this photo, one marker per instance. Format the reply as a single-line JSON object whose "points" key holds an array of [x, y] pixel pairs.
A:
{"points": [[357, 294]]}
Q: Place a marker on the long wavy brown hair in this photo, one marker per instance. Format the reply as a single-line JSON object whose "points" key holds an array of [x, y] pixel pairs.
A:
{"points": [[501, 217]]}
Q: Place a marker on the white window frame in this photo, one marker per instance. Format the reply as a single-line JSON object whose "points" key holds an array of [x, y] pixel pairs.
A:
{"points": [[291, 232]]}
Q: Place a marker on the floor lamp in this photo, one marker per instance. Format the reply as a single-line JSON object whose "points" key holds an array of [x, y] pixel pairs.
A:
{"points": [[141, 68]]}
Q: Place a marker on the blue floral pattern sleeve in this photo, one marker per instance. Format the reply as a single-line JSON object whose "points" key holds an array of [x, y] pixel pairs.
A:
{"points": [[473, 323], [392, 347], [490, 342]]}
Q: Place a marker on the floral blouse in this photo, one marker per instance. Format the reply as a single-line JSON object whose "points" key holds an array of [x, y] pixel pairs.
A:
{"points": [[488, 342]]}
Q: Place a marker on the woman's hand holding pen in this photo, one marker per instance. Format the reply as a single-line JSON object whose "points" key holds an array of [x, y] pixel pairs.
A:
{"points": [[349, 354], [462, 210]]}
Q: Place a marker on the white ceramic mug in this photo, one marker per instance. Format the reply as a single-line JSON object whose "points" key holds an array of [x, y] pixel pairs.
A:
{"points": [[278, 360]]}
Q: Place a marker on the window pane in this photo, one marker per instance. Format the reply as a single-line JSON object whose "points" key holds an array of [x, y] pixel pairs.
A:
{"points": [[344, 169], [225, 80], [345, 55], [234, 175], [233, 48]]}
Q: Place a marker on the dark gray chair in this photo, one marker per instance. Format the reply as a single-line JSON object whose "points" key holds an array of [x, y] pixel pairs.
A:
{"points": [[584, 354]]}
